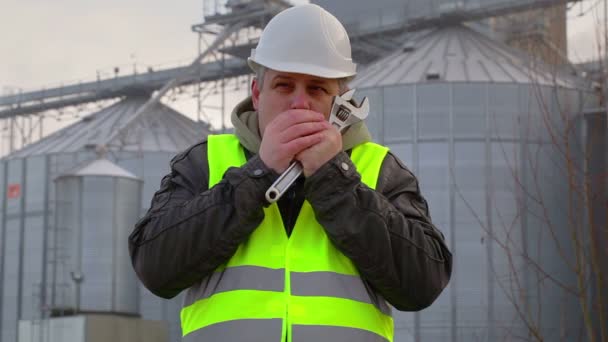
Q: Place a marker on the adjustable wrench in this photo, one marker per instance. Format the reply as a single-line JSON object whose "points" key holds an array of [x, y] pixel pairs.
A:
{"points": [[344, 112]]}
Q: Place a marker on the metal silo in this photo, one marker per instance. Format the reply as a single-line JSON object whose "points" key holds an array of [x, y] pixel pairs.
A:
{"points": [[97, 205], [28, 210], [473, 119]]}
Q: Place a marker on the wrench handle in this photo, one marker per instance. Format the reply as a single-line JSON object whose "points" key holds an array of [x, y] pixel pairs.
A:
{"points": [[285, 180]]}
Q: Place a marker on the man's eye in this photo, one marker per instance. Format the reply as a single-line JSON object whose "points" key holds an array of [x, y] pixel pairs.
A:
{"points": [[318, 89]]}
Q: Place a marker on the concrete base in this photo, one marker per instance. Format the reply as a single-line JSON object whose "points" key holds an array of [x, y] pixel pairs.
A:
{"points": [[93, 328]]}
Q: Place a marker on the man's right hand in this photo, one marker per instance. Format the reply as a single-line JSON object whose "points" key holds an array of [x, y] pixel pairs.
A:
{"points": [[288, 134]]}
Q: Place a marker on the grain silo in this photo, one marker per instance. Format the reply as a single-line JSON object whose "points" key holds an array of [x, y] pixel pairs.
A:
{"points": [[476, 121], [97, 205], [28, 211]]}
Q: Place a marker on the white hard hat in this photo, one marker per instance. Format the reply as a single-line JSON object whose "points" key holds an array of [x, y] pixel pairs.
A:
{"points": [[305, 39]]}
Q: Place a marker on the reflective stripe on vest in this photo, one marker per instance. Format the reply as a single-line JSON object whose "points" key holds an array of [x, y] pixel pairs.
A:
{"points": [[276, 288]]}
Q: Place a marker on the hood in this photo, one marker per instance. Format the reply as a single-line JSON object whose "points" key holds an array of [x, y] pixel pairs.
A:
{"points": [[245, 121]]}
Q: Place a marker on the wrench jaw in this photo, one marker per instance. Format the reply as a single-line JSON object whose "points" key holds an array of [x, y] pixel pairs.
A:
{"points": [[363, 110], [345, 111], [347, 96]]}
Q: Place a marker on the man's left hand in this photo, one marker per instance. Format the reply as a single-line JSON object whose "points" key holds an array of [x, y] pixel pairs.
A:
{"points": [[317, 155]]}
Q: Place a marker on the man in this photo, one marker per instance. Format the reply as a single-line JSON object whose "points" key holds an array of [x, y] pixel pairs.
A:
{"points": [[351, 234]]}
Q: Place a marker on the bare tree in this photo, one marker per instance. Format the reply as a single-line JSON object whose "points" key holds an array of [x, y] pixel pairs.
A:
{"points": [[555, 243]]}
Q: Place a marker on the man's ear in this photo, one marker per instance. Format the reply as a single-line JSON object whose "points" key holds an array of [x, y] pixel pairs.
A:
{"points": [[255, 93]]}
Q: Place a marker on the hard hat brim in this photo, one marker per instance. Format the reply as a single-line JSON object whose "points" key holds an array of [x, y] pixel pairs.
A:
{"points": [[300, 68]]}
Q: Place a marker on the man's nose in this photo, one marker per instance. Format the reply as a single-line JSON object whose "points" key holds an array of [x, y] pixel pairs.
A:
{"points": [[300, 100]]}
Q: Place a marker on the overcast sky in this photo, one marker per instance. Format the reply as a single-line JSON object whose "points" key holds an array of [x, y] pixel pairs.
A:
{"points": [[44, 43]]}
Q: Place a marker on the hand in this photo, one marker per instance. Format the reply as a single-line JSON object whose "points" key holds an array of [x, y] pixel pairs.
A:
{"points": [[288, 134], [318, 154]]}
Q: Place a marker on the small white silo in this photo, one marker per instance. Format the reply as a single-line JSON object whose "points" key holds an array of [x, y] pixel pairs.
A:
{"points": [[97, 205]]}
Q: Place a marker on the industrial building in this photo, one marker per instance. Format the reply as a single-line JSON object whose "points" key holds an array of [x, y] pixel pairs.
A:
{"points": [[461, 111], [68, 213], [502, 142]]}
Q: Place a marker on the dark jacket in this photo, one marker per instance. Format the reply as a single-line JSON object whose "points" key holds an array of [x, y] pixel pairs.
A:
{"points": [[190, 230]]}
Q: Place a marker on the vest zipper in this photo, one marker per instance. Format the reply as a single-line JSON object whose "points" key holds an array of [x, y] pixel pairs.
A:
{"points": [[287, 294]]}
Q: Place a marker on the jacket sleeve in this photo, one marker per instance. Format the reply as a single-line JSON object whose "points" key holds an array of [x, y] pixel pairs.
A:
{"points": [[387, 232], [190, 230]]}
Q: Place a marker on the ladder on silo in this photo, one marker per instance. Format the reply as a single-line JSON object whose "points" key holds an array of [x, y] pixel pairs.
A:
{"points": [[39, 324], [56, 254]]}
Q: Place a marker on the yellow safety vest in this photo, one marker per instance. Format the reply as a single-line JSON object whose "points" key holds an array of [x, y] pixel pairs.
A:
{"points": [[277, 288]]}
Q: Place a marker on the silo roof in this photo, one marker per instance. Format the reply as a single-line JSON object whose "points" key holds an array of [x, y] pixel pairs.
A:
{"points": [[458, 54], [100, 167], [160, 129]]}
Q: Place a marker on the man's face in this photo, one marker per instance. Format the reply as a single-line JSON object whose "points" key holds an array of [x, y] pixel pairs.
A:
{"points": [[283, 91]]}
